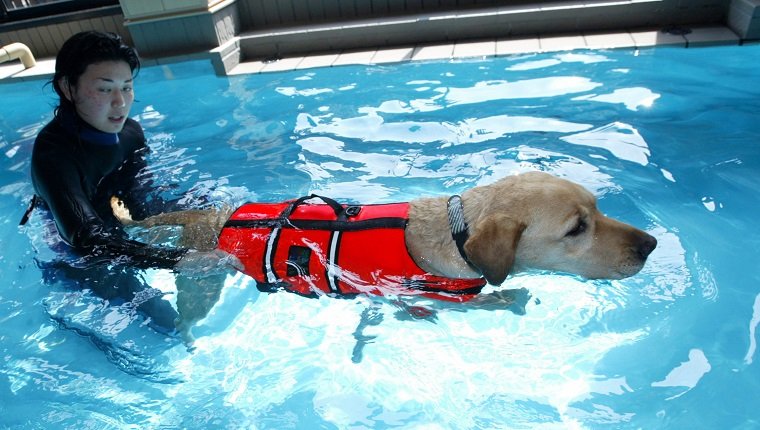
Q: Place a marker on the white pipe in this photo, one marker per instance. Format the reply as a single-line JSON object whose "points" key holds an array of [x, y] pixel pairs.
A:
{"points": [[20, 51]]}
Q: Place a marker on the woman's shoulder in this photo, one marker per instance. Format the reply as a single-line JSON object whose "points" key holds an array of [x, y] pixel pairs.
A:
{"points": [[132, 133], [52, 137], [133, 127], [53, 129]]}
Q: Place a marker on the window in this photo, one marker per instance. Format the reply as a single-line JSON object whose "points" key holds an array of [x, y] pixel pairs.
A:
{"points": [[17, 10], [20, 4]]}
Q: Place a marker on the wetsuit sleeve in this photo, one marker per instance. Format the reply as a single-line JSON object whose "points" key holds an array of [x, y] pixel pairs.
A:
{"points": [[59, 183]]}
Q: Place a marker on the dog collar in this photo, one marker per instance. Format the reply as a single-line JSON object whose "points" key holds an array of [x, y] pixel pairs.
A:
{"points": [[459, 228]]}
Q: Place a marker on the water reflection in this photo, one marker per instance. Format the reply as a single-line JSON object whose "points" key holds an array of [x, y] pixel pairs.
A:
{"points": [[671, 277], [523, 89], [754, 322], [374, 128], [632, 98], [621, 140], [334, 164], [687, 374]]}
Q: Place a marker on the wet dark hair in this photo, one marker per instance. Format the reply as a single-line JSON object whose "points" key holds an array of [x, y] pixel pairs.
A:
{"points": [[83, 49]]}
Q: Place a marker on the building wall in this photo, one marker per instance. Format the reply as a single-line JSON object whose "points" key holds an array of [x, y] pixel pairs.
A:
{"points": [[260, 14], [44, 37], [269, 14], [281, 28], [174, 27], [161, 28]]}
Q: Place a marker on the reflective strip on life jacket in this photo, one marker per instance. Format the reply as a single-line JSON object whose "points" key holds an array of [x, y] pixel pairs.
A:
{"points": [[313, 252], [268, 270], [332, 269]]}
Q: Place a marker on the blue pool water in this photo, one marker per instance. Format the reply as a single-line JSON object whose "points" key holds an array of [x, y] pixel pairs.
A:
{"points": [[667, 139]]}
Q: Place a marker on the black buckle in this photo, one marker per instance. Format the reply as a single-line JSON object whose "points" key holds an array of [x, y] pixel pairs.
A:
{"points": [[353, 210]]}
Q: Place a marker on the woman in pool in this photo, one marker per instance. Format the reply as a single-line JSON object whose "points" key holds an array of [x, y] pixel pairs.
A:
{"points": [[92, 150]]}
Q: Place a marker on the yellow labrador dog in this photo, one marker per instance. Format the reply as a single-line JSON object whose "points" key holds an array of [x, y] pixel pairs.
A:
{"points": [[451, 245], [528, 221]]}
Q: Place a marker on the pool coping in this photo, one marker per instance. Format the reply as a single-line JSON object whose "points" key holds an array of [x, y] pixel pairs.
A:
{"points": [[635, 39], [629, 39]]}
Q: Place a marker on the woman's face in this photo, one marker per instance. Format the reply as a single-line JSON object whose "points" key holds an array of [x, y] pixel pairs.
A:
{"points": [[103, 95]]}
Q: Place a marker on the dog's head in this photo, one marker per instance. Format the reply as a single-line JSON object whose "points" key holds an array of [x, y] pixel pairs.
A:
{"points": [[539, 221]]}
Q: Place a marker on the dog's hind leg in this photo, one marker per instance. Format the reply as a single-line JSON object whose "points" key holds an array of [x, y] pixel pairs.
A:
{"points": [[195, 299]]}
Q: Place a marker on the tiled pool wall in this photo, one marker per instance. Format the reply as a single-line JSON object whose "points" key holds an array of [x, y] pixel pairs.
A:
{"points": [[253, 36]]}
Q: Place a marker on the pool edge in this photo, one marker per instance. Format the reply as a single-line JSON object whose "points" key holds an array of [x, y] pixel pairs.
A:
{"points": [[493, 47]]}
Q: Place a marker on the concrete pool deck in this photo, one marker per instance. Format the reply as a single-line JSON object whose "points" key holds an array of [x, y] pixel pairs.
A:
{"points": [[634, 39]]}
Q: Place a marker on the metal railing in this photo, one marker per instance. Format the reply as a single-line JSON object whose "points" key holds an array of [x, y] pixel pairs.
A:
{"points": [[19, 10]]}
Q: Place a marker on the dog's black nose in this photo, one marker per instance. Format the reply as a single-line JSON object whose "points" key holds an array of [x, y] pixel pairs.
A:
{"points": [[647, 244]]}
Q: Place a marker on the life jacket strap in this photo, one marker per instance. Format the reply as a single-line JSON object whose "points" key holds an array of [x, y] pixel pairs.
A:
{"points": [[28, 212]]}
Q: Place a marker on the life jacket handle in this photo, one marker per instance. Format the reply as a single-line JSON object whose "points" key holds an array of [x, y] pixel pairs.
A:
{"points": [[340, 211]]}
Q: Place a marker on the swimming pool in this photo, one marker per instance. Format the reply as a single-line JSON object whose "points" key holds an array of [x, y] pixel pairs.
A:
{"points": [[667, 138]]}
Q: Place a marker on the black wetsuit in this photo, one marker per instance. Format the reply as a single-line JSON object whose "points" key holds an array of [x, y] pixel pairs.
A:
{"points": [[75, 170]]}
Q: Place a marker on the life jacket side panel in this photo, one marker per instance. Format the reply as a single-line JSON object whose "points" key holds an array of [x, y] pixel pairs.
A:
{"points": [[302, 260], [372, 261], [249, 246]]}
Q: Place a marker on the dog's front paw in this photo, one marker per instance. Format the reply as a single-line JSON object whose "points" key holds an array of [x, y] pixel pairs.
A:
{"points": [[120, 210]]}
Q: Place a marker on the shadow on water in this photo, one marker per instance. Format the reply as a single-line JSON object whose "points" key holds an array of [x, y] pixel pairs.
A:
{"points": [[119, 331], [512, 300], [117, 310]]}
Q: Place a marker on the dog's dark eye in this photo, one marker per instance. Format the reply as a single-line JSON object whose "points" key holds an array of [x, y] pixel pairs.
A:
{"points": [[578, 229]]}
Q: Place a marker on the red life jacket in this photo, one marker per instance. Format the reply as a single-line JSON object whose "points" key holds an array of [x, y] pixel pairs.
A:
{"points": [[313, 249]]}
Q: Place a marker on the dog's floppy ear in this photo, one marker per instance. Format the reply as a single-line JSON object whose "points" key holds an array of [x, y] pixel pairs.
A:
{"points": [[492, 244]]}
